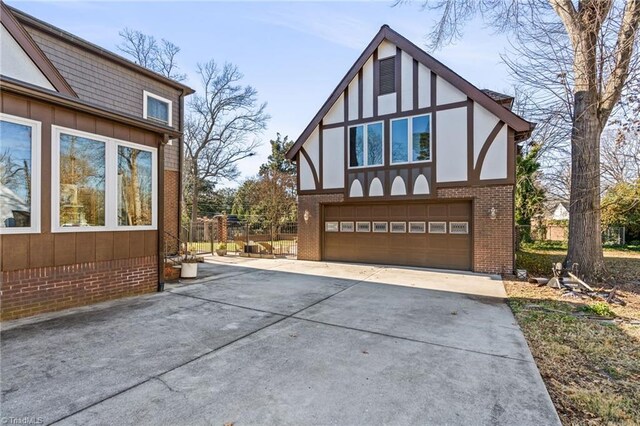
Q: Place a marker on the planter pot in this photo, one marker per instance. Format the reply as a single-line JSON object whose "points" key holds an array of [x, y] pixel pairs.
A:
{"points": [[189, 270], [221, 252]]}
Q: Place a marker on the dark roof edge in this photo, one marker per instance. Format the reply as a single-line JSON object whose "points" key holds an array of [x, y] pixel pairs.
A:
{"points": [[33, 51], [514, 121], [27, 19], [12, 85]]}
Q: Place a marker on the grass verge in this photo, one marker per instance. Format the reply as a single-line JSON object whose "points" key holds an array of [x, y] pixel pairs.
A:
{"points": [[589, 362]]}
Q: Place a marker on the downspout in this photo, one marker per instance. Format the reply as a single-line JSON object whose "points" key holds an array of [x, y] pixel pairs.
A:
{"points": [[180, 161]]}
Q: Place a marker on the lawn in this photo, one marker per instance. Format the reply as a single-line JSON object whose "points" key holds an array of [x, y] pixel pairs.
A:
{"points": [[590, 363]]}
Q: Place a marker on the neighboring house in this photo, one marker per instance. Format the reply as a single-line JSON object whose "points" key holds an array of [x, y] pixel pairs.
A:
{"points": [[407, 163], [89, 170], [560, 212], [554, 222]]}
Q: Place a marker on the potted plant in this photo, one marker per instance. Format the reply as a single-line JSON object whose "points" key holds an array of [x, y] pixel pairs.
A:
{"points": [[189, 268], [222, 249]]}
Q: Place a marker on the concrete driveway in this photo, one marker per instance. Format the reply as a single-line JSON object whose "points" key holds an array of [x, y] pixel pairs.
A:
{"points": [[281, 342]]}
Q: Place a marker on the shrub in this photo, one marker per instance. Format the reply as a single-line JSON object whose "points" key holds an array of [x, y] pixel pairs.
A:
{"points": [[599, 308]]}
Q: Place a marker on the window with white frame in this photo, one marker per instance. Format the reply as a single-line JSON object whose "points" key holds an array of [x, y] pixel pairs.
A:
{"points": [[19, 175], [156, 108], [411, 139], [380, 227], [101, 183], [366, 147], [346, 226]]}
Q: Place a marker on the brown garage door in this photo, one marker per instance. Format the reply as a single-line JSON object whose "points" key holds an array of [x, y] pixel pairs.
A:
{"points": [[436, 235]]}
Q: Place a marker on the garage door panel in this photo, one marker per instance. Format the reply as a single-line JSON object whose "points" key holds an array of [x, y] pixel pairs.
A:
{"points": [[451, 251], [397, 212]]}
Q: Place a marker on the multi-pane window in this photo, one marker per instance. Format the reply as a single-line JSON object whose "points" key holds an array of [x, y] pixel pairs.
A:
{"points": [[19, 174], [156, 108], [411, 139], [366, 145], [101, 183]]}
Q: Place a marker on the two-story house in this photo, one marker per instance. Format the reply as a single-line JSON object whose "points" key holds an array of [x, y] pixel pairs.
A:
{"points": [[90, 173], [407, 163]]}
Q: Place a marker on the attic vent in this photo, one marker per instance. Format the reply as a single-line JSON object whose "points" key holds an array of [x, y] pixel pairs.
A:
{"points": [[387, 75]]}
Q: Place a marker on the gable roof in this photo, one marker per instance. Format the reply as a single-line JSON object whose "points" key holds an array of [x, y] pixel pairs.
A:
{"points": [[514, 121], [34, 52], [83, 44]]}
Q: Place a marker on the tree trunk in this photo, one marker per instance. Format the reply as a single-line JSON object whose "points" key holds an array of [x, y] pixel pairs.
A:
{"points": [[585, 238]]}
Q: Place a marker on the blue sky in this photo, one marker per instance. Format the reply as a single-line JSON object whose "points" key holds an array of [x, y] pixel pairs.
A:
{"points": [[293, 53]]}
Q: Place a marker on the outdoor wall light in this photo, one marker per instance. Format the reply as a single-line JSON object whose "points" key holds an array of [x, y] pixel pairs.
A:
{"points": [[306, 216], [493, 213]]}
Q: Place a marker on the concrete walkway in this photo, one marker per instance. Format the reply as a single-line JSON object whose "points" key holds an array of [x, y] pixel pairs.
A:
{"points": [[262, 341]]}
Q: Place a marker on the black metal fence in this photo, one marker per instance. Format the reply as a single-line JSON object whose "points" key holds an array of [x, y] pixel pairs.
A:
{"points": [[250, 236], [262, 237]]}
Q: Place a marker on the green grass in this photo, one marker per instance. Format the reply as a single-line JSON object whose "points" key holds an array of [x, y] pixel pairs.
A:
{"points": [[591, 368], [562, 245]]}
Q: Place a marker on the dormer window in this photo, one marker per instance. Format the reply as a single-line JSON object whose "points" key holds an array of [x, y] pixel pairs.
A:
{"points": [[156, 108], [387, 80]]}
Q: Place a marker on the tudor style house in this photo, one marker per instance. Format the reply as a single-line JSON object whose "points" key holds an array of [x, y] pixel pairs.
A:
{"points": [[90, 164], [407, 163]]}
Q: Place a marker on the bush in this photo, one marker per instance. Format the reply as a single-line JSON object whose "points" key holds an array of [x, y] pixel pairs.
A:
{"points": [[599, 308]]}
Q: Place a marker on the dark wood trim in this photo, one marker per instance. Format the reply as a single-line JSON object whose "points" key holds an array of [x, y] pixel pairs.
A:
{"points": [[384, 201], [311, 166], [160, 210], [58, 33], [320, 191], [298, 172], [320, 153], [470, 142], [34, 52], [180, 165], [485, 148], [346, 161], [392, 167], [360, 100], [376, 82], [511, 157], [398, 76], [386, 33], [416, 89], [18, 87], [434, 132], [402, 114]]}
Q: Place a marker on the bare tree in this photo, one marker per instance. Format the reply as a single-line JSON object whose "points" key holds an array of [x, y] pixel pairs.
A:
{"points": [[598, 41], [145, 50], [222, 120], [620, 160]]}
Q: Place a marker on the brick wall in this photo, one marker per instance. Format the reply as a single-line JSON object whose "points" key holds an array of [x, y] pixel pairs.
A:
{"points": [[37, 290], [309, 230], [492, 238]]}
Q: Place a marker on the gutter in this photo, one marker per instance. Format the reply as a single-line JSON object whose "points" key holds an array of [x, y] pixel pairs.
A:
{"points": [[11, 85]]}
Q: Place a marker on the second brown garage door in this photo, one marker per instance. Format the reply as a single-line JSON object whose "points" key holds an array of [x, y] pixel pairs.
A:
{"points": [[436, 235]]}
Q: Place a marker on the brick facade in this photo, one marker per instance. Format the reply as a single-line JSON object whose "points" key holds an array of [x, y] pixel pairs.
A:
{"points": [[37, 290], [493, 244], [309, 231], [171, 202]]}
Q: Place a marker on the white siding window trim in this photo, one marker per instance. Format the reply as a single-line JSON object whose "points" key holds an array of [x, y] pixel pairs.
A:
{"points": [[145, 96], [36, 167], [365, 145], [409, 119], [111, 183]]}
